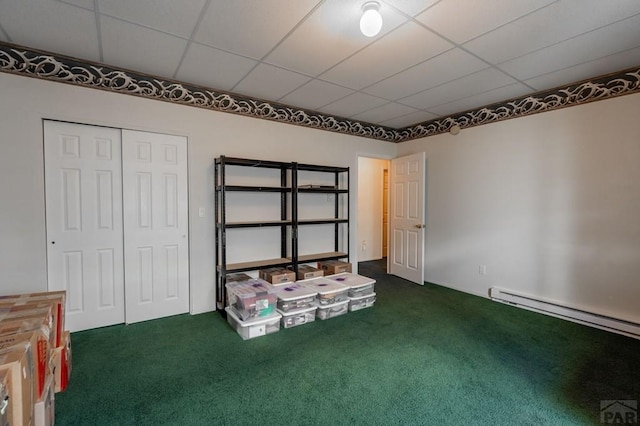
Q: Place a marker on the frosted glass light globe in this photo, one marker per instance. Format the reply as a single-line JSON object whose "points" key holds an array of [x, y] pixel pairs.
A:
{"points": [[371, 20]]}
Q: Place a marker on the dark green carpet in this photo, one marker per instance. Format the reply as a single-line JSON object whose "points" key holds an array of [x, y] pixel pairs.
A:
{"points": [[421, 356]]}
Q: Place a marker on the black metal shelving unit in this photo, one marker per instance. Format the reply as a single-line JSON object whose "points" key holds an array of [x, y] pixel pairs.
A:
{"points": [[288, 189]]}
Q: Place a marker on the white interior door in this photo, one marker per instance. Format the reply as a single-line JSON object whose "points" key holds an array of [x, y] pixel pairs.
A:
{"points": [[83, 182], [155, 225], [407, 224]]}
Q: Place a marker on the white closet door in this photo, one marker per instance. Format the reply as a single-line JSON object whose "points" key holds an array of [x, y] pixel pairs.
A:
{"points": [[155, 225], [84, 222]]}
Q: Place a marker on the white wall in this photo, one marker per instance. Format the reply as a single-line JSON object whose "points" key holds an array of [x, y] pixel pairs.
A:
{"points": [[550, 203], [26, 101], [370, 189]]}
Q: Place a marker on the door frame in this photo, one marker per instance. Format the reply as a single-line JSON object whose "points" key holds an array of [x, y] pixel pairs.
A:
{"points": [[356, 188]]}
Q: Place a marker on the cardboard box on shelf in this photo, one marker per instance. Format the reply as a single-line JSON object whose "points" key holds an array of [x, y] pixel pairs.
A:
{"points": [[39, 341], [236, 277], [277, 275], [306, 272], [61, 360], [17, 361], [57, 298], [44, 409], [331, 267]]}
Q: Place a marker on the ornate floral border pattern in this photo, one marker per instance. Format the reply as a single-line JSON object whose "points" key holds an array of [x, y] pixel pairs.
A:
{"points": [[33, 63]]}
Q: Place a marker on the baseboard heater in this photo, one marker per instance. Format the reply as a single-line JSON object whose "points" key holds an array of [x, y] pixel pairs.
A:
{"points": [[536, 304]]}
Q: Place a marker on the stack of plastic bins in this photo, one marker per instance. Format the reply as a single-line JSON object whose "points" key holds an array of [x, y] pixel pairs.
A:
{"points": [[252, 308], [361, 289], [296, 304], [332, 298]]}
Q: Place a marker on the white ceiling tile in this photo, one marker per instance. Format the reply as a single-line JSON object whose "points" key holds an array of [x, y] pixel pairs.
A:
{"points": [[441, 69], [479, 82], [552, 24], [251, 28], [141, 49], [353, 104], [175, 17], [384, 112], [41, 24], [614, 38], [224, 70], [315, 94], [336, 24], [409, 119], [411, 7], [269, 82], [483, 99], [620, 61], [383, 58], [87, 4], [462, 20]]}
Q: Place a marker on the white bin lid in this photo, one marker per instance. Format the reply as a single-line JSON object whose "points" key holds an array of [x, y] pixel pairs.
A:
{"points": [[324, 286], [351, 280], [293, 291], [253, 321], [296, 312]]}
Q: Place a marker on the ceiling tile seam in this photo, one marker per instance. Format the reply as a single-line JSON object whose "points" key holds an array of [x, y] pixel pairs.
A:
{"points": [[566, 40], [419, 12], [430, 109], [96, 11], [205, 7], [467, 51], [262, 59], [319, 75], [79, 6], [580, 64], [510, 22]]}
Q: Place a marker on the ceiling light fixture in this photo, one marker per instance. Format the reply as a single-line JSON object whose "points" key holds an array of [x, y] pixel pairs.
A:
{"points": [[371, 20]]}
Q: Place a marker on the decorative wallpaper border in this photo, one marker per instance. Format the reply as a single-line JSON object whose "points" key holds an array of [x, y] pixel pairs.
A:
{"points": [[33, 63]]}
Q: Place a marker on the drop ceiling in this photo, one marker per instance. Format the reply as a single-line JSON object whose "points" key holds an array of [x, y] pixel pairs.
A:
{"points": [[432, 58]]}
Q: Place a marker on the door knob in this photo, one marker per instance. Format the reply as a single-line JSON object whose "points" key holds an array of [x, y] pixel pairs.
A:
{"points": [[419, 226]]}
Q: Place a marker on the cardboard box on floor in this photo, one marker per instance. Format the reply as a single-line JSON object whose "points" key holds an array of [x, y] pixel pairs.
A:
{"points": [[44, 409], [6, 412], [331, 267], [31, 323], [10, 313], [40, 349], [17, 361], [57, 298], [61, 360]]}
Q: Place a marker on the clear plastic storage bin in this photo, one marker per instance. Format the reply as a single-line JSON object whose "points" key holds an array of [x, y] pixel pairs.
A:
{"points": [[332, 311], [253, 328], [293, 297], [359, 285], [299, 317], [329, 291], [254, 298], [361, 302]]}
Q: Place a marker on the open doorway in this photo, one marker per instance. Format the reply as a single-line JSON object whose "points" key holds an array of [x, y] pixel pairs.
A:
{"points": [[372, 236]]}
